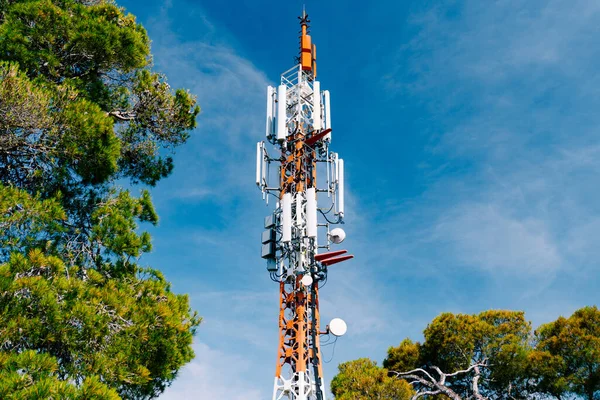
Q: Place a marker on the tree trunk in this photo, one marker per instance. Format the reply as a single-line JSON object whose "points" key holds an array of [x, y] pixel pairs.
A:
{"points": [[476, 393]]}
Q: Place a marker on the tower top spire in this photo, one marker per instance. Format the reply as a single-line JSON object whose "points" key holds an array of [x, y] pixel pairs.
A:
{"points": [[304, 21], [308, 51]]}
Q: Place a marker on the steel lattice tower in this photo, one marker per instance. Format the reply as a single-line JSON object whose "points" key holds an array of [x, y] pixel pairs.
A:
{"points": [[299, 132]]}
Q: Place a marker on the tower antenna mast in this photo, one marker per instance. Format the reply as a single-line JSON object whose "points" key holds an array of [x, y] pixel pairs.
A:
{"points": [[298, 237]]}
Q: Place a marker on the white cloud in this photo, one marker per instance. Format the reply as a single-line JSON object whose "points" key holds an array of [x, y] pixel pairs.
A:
{"points": [[481, 235], [214, 374], [231, 92], [514, 195], [493, 40], [235, 358]]}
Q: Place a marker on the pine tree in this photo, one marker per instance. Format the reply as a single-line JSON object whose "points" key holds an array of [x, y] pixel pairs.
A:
{"points": [[80, 108]]}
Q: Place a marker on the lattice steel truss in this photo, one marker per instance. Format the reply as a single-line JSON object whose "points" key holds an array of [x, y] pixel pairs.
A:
{"points": [[299, 130]]}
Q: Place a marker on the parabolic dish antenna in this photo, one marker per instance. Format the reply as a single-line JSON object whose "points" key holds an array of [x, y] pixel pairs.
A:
{"points": [[338, 327], [307, 280], [337, 235]]}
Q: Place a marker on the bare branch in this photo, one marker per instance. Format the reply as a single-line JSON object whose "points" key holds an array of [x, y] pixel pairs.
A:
{"points": [[427, 393], [413, 371], [430, 386], [464, 371], [123, 116]]}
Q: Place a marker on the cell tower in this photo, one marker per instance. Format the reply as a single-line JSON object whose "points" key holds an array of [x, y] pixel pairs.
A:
{"points": [[299, 133]]}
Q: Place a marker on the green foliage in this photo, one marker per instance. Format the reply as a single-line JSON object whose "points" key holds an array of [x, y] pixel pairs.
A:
{"points": [[131, 332], [65, 39], [33, 376], [561, 361], [405, 357], [80, 109], [87, 137], [362, 379], [23, 105], [544, 369], [79, 105], [159, 118], [496, 341], [27, 222], [567, 359], [497, 337], [114, 224]]}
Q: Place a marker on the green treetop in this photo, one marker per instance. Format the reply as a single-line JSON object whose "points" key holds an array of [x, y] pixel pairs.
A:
{"points": [[80, 106], [79, 109], [468, 355], [567, 357], [493, 355], [362, 379]]}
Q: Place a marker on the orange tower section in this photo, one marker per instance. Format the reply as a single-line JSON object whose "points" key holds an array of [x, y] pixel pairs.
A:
{"points": [[299, 348], [299, 130]]}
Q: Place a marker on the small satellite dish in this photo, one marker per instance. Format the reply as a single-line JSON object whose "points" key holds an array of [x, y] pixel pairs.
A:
{"points": [[307, 280], [337, 235], [338, 327]]}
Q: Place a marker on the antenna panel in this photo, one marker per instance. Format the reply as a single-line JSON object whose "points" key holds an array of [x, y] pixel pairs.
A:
{"points": [[341, 187], [299, 210], [259, 153], [311, 213], [286, 218], [261, 166], [317, 119], [281, 112], [327, 113], [270, 111]]}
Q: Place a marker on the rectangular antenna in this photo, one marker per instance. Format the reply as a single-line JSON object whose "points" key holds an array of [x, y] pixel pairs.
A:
{"points": [[327, 113], [259, 162], [336, 172], [281, 112], [270, 111], [299, 210], [341, 187], [311, 212], [317, 119], [264, 167], [286, 218]]}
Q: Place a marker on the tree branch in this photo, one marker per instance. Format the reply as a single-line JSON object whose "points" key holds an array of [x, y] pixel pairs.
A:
{"points": [[427, 393], [431, 386], [126, 116]]}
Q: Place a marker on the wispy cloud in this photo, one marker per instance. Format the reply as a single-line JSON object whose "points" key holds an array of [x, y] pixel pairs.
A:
{"points": [[214, 374], [218, 160], [511, 92], [205, 239], [481, 235]]}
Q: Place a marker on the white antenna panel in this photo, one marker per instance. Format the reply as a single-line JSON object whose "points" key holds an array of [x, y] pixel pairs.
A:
{"points": [[311, 213], [317, 121], [327, 113], [336, 167], [259, 161], [341, 187], [299, 213], [286, 218], [270, 110], [281, 112], [264, 166]]}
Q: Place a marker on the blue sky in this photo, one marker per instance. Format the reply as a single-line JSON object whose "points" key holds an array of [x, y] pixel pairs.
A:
{"points": [[471, 135]]}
